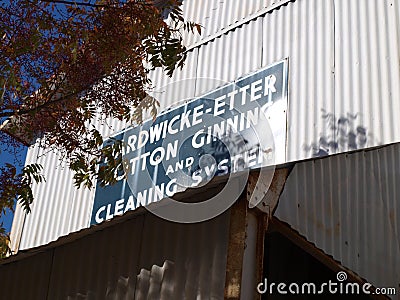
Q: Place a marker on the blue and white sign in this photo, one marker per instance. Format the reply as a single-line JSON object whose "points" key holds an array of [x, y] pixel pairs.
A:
{"points": [[236, 127]]}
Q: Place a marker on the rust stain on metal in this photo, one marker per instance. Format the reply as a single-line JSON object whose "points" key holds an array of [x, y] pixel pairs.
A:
{"points": [[236, 246], [261, 231], [258, 188]]}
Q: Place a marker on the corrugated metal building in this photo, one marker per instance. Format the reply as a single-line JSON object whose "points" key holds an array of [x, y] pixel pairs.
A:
{"points": [[343, 95]]}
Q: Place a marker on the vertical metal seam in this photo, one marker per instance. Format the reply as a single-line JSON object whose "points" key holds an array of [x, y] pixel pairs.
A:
{"points": [[50, 272], [287, 154], [397, 21], [333, 71], [22, 229], [262, 42], [139, 254], [195, 72], [89, 213]]}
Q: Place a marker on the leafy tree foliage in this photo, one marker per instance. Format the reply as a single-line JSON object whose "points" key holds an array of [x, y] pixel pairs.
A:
{"points": [[65, 63]]}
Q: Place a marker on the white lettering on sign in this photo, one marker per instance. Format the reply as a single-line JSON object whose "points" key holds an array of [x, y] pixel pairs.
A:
{"points": [[212, 124], [191, 118], [153, 194]]}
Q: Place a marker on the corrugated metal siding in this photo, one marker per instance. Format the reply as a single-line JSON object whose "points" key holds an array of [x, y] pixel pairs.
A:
{"points": [[19, 215], [303, 31], [27, 279], [142, 258], [54, 207], [215, 15], [59, 208], [343, 69], [348, 206], [229, 57], [181, 86], [367, 78]]}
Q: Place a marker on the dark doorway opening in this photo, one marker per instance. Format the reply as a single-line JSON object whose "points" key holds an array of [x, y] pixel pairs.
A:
{"points": [[285, 262]]}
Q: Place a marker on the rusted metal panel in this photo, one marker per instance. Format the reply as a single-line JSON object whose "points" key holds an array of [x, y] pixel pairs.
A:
{"points": [[348, 206], [265, 187]]}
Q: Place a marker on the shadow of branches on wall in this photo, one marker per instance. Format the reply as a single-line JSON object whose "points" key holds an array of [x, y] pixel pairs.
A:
{"points": [[343, 134]]}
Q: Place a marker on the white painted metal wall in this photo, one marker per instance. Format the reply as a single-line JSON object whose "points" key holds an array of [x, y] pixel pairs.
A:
{"points": [[217, 15], [367, 71], [303, 31], [343, 85]]}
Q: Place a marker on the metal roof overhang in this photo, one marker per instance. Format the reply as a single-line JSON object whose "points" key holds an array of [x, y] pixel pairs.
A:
{"points": [[215, 184]]}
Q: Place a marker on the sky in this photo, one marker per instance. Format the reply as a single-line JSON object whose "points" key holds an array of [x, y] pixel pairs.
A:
{"points": [[6, 157]]}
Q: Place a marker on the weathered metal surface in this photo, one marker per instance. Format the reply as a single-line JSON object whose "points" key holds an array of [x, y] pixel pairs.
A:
{"points": [[304, 32], [139, 257], [348, 206], [263, 223], [250, 266], [264, 188], [27, 279], [235, 253]]}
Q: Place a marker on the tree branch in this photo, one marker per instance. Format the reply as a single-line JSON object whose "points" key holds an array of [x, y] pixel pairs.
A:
{"points": [[75, 3], [39, 107]]}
